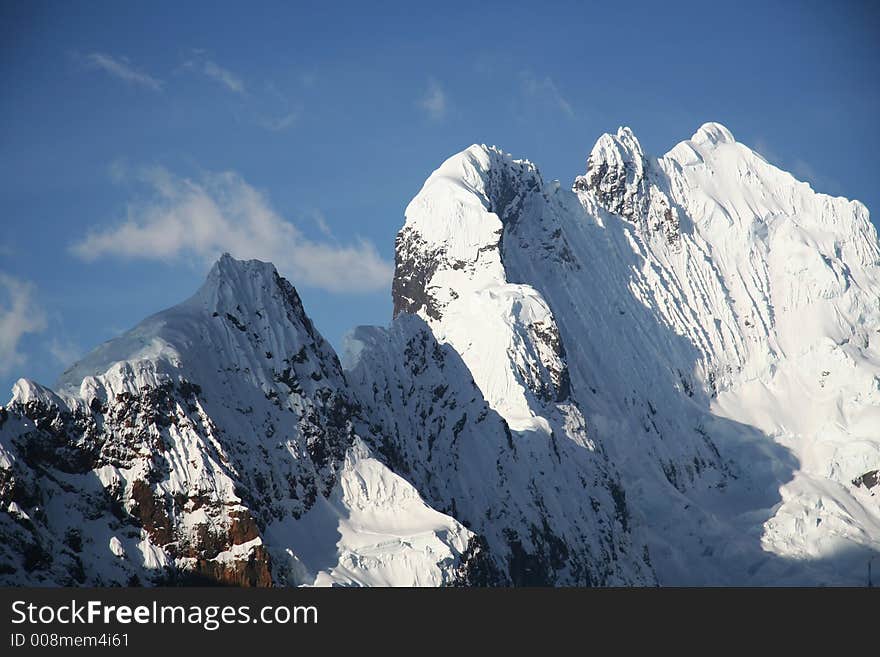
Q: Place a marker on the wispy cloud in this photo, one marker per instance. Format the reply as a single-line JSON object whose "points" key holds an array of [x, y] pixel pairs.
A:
{"points": [[64, 351], [798, 168], [221, 212], [434, 102], [279, 111], [121, 68], [763, 149], [224, 76], [321, 223], [544, 88], [804, 171], [19, 315], [211, 69]]}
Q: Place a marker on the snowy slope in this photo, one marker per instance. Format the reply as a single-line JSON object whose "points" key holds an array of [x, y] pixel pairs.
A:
{"points": [[213, 435], [703, 318], [546, 509]]}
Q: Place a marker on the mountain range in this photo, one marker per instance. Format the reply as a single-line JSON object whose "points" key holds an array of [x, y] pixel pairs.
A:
{"points": [[667, 373]]}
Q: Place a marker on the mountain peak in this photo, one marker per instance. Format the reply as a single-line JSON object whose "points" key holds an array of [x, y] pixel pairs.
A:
{"points": [[242, 306], [615, 172], [232, 285], [230, 271], [712, 134], [467, 200], [621, 147]]}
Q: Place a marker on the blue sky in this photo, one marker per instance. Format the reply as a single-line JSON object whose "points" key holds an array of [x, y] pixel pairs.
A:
{"points": [[139, 139]]}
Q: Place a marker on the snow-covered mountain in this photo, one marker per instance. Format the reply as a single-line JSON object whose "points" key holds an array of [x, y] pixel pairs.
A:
{"points": [[669, 373], [215, 441]]}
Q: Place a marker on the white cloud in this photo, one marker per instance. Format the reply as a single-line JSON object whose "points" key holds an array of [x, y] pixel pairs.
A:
{"points": [[321, 222], [434, 102], [545, 88], [19, 315], [223, 76], [221, 212], [63, 351], [213, 70], [120, 67]]}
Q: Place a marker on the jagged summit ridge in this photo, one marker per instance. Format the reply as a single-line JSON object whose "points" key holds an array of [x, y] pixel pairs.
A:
{"points": [[676, 292]]}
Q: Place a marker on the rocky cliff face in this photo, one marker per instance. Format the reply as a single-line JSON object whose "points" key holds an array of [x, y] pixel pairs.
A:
{"points": [[669, 373]]}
